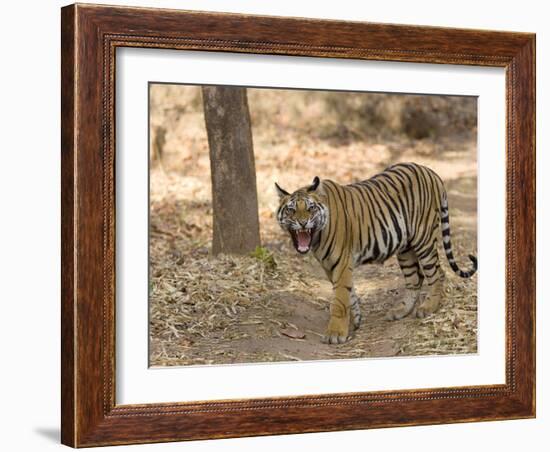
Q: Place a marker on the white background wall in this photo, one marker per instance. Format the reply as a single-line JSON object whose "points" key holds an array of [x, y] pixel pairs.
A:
{"points": [[29, 224]]}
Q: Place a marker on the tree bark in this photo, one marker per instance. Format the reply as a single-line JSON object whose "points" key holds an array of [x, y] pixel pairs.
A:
{"points": [[234, 196]]}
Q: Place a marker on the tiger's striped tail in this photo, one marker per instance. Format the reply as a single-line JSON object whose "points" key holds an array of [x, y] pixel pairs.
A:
{"points": [[446, 233]]}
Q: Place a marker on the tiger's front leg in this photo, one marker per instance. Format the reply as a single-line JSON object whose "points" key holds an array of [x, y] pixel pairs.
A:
{"points": [[340, 308]]}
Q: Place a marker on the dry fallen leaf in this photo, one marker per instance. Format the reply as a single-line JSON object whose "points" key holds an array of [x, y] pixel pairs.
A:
{"points": [[293, 333]]}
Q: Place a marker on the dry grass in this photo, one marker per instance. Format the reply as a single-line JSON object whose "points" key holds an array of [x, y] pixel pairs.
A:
{"points": [[274, 306]]}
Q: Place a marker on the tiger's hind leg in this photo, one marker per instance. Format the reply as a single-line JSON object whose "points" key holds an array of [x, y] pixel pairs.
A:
{"points": [[435, 277], [355, 309], [410, 266]]}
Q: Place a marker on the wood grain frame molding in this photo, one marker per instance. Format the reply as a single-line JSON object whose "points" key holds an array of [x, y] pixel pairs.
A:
{"points": [[90, 36]]}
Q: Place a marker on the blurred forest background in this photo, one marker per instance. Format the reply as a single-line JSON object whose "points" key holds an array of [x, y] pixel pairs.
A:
{"points": [[272, 305]]}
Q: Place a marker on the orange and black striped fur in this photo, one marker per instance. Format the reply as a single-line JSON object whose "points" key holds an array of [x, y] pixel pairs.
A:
{"points": [[396, 212]]}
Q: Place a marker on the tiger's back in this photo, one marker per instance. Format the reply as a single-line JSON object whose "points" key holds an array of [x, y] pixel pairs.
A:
{"points": [[380, 216]]}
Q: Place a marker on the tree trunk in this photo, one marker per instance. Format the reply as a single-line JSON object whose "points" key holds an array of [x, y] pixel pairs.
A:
{"points": [[234, 197]]}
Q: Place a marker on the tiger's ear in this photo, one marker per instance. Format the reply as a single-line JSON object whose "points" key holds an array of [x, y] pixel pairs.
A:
{"points": [[282, 193], [315, 184]]}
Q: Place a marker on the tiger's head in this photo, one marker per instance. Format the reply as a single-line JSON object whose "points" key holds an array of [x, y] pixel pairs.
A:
{"points": [[303, 214]]}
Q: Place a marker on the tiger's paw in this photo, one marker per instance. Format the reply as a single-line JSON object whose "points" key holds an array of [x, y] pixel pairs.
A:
{"points": [[431, 302], [337, 332], [404, 307], [398, 312], [334, 339], [427, 307]]}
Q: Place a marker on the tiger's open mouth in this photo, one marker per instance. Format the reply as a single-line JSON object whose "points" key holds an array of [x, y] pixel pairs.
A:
{"points": [[301, 239]]}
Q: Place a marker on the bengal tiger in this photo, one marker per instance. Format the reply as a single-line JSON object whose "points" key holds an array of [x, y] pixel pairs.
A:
{"points": [[396, 212]]}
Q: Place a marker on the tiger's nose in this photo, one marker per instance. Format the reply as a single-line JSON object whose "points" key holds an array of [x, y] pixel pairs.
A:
{"points": [[303, 223]]}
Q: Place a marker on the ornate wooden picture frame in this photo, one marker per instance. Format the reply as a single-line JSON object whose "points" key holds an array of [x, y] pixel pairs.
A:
{"points": [[90, 37]]}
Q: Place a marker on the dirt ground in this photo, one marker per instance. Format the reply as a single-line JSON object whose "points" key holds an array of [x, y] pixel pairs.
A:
{"points": [[273, 305]]}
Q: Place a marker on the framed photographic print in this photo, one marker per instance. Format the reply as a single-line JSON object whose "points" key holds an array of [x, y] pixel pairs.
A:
{"points": [[282, 225]]}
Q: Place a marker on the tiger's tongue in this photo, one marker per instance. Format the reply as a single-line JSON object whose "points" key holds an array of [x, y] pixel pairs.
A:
{"points": [[303, 239]]}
